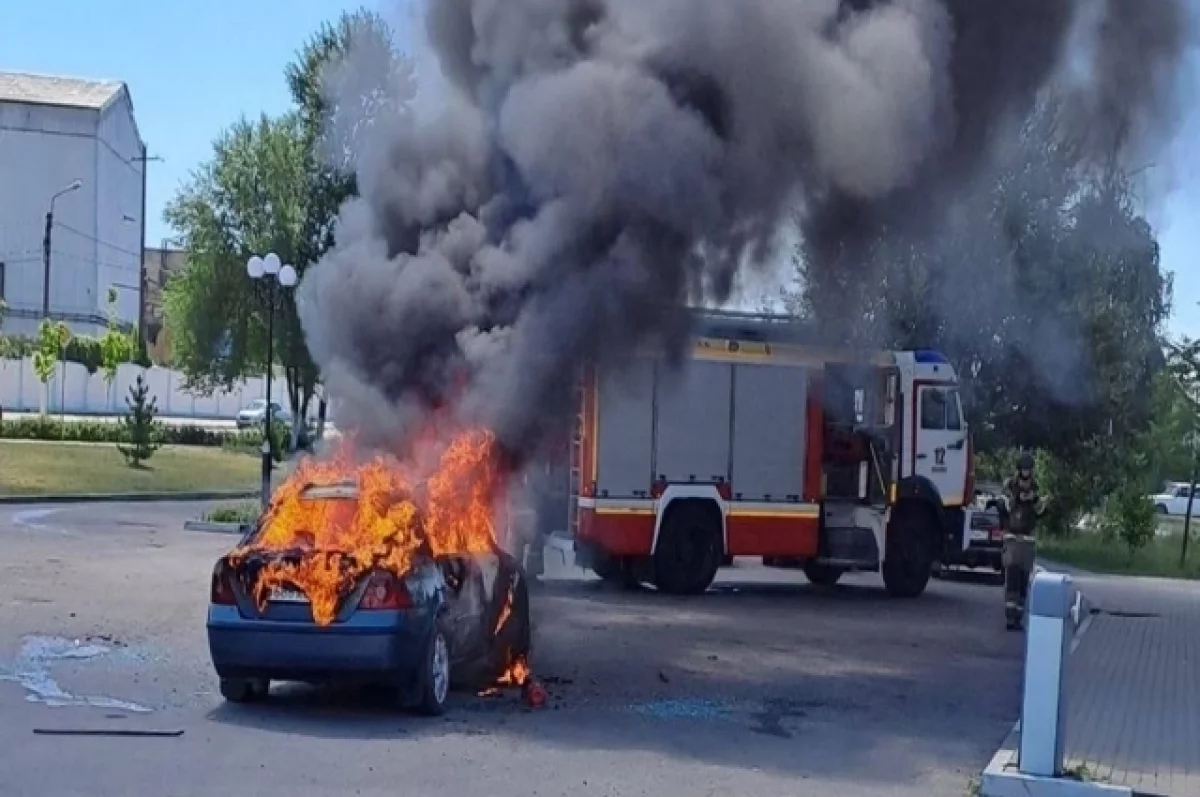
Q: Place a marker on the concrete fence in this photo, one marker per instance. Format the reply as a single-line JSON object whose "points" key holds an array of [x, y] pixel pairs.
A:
{"points": [[73, 391]]}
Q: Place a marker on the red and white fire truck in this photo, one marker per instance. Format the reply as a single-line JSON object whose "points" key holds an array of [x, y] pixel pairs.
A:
{"points": [[761, 445]]}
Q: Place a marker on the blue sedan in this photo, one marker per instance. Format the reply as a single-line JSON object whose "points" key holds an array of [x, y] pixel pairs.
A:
{"points": [[420, 634]]}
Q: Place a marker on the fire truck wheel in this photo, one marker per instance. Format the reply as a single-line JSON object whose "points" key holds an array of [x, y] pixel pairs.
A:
{"points": [[616, 570], [689, 549], [909, 562], [822, 575]]}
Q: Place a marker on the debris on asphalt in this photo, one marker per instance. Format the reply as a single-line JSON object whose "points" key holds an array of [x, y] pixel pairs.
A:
{"points": [[129, 732], [662, 676]]}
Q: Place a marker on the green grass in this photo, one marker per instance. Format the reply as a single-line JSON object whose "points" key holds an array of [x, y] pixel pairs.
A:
{"points": [[1089, 551], [36, 468], [245, 512]]}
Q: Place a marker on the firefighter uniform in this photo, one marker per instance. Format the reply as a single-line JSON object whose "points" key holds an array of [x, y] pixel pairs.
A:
{"points": [[1020, 548]]}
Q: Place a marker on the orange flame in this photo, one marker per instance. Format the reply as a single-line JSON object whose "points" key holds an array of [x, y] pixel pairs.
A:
{"points": [[517, 674], [400, 511]]}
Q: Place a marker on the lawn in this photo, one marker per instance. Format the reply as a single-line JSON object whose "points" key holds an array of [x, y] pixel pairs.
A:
{"points": [[1089, 551], [46, 468]]}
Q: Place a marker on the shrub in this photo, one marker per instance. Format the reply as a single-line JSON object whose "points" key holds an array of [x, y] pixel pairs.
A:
{"points": [[234, 513], [49, 428], [1133, 516]]}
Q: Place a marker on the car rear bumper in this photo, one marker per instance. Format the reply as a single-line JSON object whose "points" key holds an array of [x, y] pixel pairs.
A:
{"points": [[387, 646]]}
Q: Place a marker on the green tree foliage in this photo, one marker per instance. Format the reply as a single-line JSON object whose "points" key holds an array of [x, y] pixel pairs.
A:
{"points": [[1130, 517], [51, 343], [1041, 281], [116, 346], [276, 184], [140, 426]]}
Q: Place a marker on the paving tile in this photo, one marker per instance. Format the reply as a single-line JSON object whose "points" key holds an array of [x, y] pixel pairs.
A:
{"points": [[1133, 713]]}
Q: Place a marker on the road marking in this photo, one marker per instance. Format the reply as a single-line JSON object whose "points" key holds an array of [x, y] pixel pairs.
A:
{"points": [[28, 518]]}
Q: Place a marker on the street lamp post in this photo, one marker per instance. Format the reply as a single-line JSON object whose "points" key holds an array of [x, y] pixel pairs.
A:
{"points": [[271, 270], [74, 186]]}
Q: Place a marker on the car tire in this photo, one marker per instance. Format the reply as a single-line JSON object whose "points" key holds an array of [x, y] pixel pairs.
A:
{"points": [[244, 690], [689, 551], [1162, 509], [822, 575], [435, 675]]}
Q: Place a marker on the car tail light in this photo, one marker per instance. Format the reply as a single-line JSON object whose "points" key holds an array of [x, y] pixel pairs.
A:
{"points": [[384, 592], [221, 593]]}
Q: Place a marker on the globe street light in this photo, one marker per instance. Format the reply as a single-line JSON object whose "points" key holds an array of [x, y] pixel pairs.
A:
{"points": [[272, 272]]}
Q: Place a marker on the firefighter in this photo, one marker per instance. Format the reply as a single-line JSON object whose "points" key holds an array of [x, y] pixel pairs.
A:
{"points": [[1024, 505]]}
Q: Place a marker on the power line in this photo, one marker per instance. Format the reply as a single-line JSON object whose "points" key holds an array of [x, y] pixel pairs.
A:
{"points": [[96, 240]]}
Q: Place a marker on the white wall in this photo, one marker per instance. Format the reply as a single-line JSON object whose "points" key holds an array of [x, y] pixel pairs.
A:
{"points": [[42, 150], [82, 394], [119, 208], [96, 238]]}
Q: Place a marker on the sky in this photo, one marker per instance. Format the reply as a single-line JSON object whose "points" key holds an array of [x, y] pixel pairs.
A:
{"points": [[193, 67]]}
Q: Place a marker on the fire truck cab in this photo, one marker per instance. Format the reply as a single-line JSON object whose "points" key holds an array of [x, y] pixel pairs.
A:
{"points": [[759, 444]]}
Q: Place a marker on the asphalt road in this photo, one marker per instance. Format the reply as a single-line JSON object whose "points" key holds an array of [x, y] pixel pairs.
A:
{"points": [[765, 686]]}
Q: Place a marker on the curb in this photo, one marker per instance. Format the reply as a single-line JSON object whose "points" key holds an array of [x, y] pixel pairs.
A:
{"points": [[95, 498], [1003, 779], [217, 528]]}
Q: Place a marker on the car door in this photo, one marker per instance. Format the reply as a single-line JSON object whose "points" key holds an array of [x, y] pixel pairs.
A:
{"points": [[466, 602], [940, 453]]}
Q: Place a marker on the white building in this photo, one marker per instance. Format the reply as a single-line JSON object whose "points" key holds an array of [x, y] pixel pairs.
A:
{"points": [[73, 144]]}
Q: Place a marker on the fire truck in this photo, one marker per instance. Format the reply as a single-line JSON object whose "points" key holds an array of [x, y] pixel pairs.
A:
{"points": [[759, 444]]}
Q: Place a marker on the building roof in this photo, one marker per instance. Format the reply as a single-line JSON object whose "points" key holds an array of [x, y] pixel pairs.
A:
{"points": [[66, 92]]}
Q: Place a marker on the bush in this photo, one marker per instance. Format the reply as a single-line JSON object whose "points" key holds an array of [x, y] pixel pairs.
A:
{"points": [[1131, 518], [49, 428], [245, 513], [82, 349]]}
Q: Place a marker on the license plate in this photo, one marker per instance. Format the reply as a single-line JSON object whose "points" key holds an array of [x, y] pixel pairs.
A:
{"points": [[979, 534], [285, 595]]}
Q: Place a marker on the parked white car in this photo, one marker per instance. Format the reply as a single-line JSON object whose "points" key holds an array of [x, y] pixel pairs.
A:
{"points": [[1173, 500], [255, 414]]}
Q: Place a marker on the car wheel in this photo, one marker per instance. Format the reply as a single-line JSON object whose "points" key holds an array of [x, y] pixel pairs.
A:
{"points": [[435, 675], [244, 690], [1162, 509]]}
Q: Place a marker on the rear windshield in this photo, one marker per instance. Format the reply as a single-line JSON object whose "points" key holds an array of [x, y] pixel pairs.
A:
{"points": [[325, 492]]}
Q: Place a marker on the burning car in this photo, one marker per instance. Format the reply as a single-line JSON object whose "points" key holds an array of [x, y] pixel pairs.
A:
{"points": [[381, 578]]}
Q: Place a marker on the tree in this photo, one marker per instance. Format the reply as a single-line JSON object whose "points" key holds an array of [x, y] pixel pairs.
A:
{"points": [[51, 343], [1041, 282], [1183, 367], [116, 346], [140, 427], [276, 185]]}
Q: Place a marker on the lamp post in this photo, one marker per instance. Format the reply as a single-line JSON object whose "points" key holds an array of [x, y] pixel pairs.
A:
{"points": [[272, 273], [74, 186]]}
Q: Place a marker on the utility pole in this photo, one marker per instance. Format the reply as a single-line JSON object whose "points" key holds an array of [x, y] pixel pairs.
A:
{"points": [[1194, 446], [144, 159]]}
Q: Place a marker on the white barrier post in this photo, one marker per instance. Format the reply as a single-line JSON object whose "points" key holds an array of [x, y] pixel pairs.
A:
{"points": [[1047, 645]]}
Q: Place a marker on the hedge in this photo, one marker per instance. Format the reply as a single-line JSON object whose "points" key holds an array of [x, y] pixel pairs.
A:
{"points": [[82, 349], [50, 428]]}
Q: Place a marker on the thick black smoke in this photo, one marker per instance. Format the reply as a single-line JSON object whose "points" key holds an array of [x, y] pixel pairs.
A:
{"points": [[598, 164]]}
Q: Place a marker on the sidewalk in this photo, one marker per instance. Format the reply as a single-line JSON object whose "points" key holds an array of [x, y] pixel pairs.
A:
{"points": [[1133, 687]]}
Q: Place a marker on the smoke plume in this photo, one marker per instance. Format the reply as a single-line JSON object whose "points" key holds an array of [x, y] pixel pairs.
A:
{"points": [[596, 165]]}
